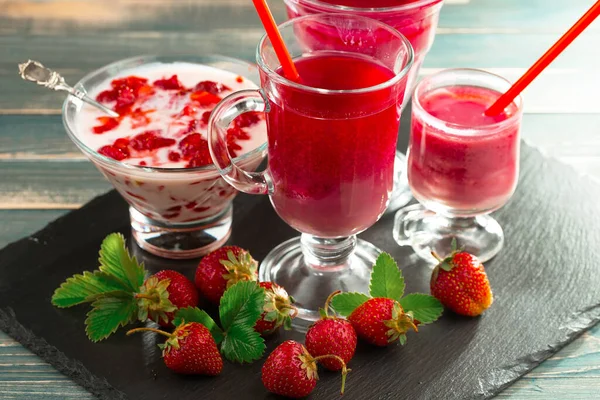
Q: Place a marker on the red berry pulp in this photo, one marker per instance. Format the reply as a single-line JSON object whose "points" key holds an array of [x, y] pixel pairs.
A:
{"points": [[131, 96], [331, 157]]}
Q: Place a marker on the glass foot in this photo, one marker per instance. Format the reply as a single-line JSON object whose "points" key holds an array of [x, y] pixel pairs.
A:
{"points": [[401, 194], [310, 285], [180, 241], [427, 231]]}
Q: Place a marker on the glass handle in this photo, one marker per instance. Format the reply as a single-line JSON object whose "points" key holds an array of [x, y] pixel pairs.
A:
{"points": [[226, 111], [404, 223]]}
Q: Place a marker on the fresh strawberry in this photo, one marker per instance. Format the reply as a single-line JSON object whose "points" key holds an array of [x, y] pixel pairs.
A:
{"points": [[223, 268], [190, 349], [331, 335], [278, 310], [163, 293], [292, 372], [381, 321], [460, 283]]}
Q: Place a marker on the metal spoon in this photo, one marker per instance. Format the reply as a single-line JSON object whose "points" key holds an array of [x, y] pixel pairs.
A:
{"points": [[34, 71]]}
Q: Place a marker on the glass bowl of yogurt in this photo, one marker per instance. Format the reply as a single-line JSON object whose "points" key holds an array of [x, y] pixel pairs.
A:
{"points": [[156, 154]]}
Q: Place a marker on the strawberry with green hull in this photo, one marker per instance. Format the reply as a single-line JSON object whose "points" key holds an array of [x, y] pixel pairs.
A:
{"points": [[162, 294], [459, 281], [120, 295], [222, 268], [190, 350], [278, 310], [291, 371], [240, 308], [331, 335], [386, 315], [382, 321]]}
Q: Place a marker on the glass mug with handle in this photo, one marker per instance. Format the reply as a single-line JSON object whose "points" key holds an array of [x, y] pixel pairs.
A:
{"points": [[332, 140], [416, 19]]}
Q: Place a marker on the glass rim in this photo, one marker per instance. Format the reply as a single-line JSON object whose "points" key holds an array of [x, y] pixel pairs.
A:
{"points": [[456, 129], [283, 80], [145, 59], [338, 7]]}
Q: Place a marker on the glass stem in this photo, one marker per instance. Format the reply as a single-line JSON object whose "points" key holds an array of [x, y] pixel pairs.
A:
{"points": [[461, 223], [327, 254]]}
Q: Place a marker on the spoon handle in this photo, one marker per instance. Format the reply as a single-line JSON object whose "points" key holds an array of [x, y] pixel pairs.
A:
{"points": [[34, 71]]}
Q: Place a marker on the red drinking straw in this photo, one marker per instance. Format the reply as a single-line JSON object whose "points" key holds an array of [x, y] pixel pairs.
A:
{"points": [[289, 69], [544, 61]]}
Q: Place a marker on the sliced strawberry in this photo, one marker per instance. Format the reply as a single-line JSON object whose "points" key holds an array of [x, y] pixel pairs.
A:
{"points": [[247, 119], [114, 152], [107, 124], [174, 156], [210, 87], [150, 140], [204, 98], [132, 82], [171, 83], [107, 96], [206, 116]]}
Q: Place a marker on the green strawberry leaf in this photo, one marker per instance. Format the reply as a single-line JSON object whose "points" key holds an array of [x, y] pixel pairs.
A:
{"points": [[425, 308], [193, 314], [242, 344], [241, 304], [108, 314], [386, 278], [116, 261], [345, 303], [85, 288]]}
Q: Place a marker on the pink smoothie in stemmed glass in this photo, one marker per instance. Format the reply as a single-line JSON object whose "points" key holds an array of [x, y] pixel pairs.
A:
{"points": [[331, 158], [459, 158], [415, 19]]}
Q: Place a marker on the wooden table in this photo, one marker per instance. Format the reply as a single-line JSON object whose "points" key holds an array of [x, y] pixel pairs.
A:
{"points": [[42, 175]]}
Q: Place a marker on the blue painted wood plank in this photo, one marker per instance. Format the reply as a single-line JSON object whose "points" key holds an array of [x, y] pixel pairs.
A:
{"points": [[35, 137], [571, 374], [510, 50], [25, 376], [49, 185], [16, 224], [514, 15], [194, 15], [449, 50]]}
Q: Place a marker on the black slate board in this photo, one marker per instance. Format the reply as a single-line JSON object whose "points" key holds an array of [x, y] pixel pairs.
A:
{"points": [[546, 283]]}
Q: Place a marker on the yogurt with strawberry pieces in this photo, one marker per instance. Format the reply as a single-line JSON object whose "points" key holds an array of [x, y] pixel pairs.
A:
{"points": [[162, 131]]}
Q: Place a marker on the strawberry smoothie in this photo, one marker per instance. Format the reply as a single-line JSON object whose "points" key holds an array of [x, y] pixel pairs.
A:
{"points": [[331, 157], [460, 159], [164, 167], [415, 19]]}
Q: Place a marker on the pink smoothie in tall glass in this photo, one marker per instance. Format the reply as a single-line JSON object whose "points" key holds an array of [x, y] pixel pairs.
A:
{"points": [[331, 157], [459, 158]]}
